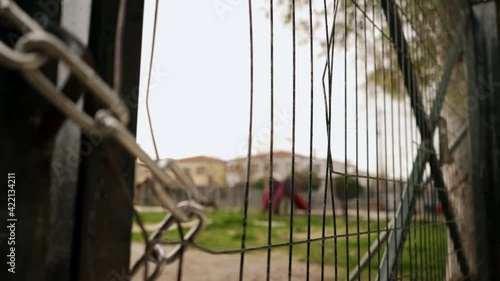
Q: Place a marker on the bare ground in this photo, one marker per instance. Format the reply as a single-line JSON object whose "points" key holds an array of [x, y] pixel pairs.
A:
{"points": [[201, 266]]}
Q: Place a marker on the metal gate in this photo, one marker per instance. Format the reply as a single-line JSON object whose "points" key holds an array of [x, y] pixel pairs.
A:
{"points": [[415, 196]]}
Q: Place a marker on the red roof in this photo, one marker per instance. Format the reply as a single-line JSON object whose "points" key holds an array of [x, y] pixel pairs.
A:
{"points": [[200, 158]]}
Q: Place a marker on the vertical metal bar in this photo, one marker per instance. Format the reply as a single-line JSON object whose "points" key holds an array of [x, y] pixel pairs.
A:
{"points": [[63, 197], [271, 145], [27, 148], [249, 152], [412, 237], [371, 251], [376, 138], [294, 94], [346, 215], [311, 139], [327, 94], [384, 120], [102, 235], [75, 17], [393, 174], [357, 141], [481, 60]]}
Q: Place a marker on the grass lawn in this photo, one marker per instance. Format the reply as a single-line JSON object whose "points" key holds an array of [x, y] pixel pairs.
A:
{"points": [[426, 258]]}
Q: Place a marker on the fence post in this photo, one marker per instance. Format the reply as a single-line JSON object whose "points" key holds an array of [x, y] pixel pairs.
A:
{"points": [[28, 153], [104, 213], [484, 123]]}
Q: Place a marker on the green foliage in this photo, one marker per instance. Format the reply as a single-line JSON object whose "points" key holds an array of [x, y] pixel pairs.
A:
{"points": [[429, 29], [259, 184], [353, 188], [301, 179]]}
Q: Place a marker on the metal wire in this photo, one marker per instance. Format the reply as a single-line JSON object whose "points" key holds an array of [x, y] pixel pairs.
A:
{"points": [[148, 85], [311, 138], [294, 101], [271, 141], [120, 27], [250, 131]]}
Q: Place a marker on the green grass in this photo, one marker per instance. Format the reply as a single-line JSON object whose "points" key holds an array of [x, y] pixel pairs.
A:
{"points": [[151, 217], [426, 258]]}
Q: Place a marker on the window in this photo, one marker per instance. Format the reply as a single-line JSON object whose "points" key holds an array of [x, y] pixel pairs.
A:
{"points": [[201, 170]]}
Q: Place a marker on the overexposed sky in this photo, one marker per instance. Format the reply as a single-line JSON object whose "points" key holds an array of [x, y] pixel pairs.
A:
{"points": [[199, 98]]}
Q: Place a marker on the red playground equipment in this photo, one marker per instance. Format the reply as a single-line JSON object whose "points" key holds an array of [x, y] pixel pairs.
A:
{"points": [[280, 190]]}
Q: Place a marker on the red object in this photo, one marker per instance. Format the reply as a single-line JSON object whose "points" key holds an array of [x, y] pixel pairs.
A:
{"points": [[278, 194], [299, 201], [265, 200], [439, 209]]}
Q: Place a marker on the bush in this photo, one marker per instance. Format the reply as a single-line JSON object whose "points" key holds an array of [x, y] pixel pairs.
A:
{"points": [[352, 187], [301, 179], [259, 184]]}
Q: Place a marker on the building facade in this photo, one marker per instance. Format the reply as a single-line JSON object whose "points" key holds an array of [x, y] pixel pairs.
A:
{"points": [[206, 172], [282, 167]]}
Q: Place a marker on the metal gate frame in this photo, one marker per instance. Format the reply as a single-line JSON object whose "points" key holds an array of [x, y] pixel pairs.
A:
{"points": [[102, 236]]}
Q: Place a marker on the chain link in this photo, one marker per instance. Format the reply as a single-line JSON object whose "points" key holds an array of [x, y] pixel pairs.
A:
{"points": [[11, 58], [109, 124], [31, 52], [156, 253]]}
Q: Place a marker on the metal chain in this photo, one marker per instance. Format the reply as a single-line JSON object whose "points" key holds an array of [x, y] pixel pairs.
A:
{"points": [[156, 252], [31, 52]]}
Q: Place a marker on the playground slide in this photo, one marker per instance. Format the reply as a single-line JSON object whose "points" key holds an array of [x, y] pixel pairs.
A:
{"points": [[299, 201], [265, 199], [278, 196], [280, 193]]}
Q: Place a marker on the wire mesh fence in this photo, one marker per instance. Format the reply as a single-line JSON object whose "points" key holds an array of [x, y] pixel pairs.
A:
{"points": [[381, 87], [357, 163]]}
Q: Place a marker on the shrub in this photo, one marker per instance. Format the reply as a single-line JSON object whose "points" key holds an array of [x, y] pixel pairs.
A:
{"points": [[259, 184], [352, 187], [301, 179]]}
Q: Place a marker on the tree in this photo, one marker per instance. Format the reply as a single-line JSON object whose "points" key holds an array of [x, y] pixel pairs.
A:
{"points": [[301, 180], [429, 30], [345, 191], [259, 184]]}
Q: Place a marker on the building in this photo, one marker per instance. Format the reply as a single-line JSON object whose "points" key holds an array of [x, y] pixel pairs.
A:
{"points": [[206, 172], [142, 173], [282, 167]]}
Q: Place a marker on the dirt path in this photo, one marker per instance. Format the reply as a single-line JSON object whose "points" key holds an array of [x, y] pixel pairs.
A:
{"points": [[201, 266]]}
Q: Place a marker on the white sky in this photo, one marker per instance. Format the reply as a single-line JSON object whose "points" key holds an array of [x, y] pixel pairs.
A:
{"points": [[199, 98]]}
